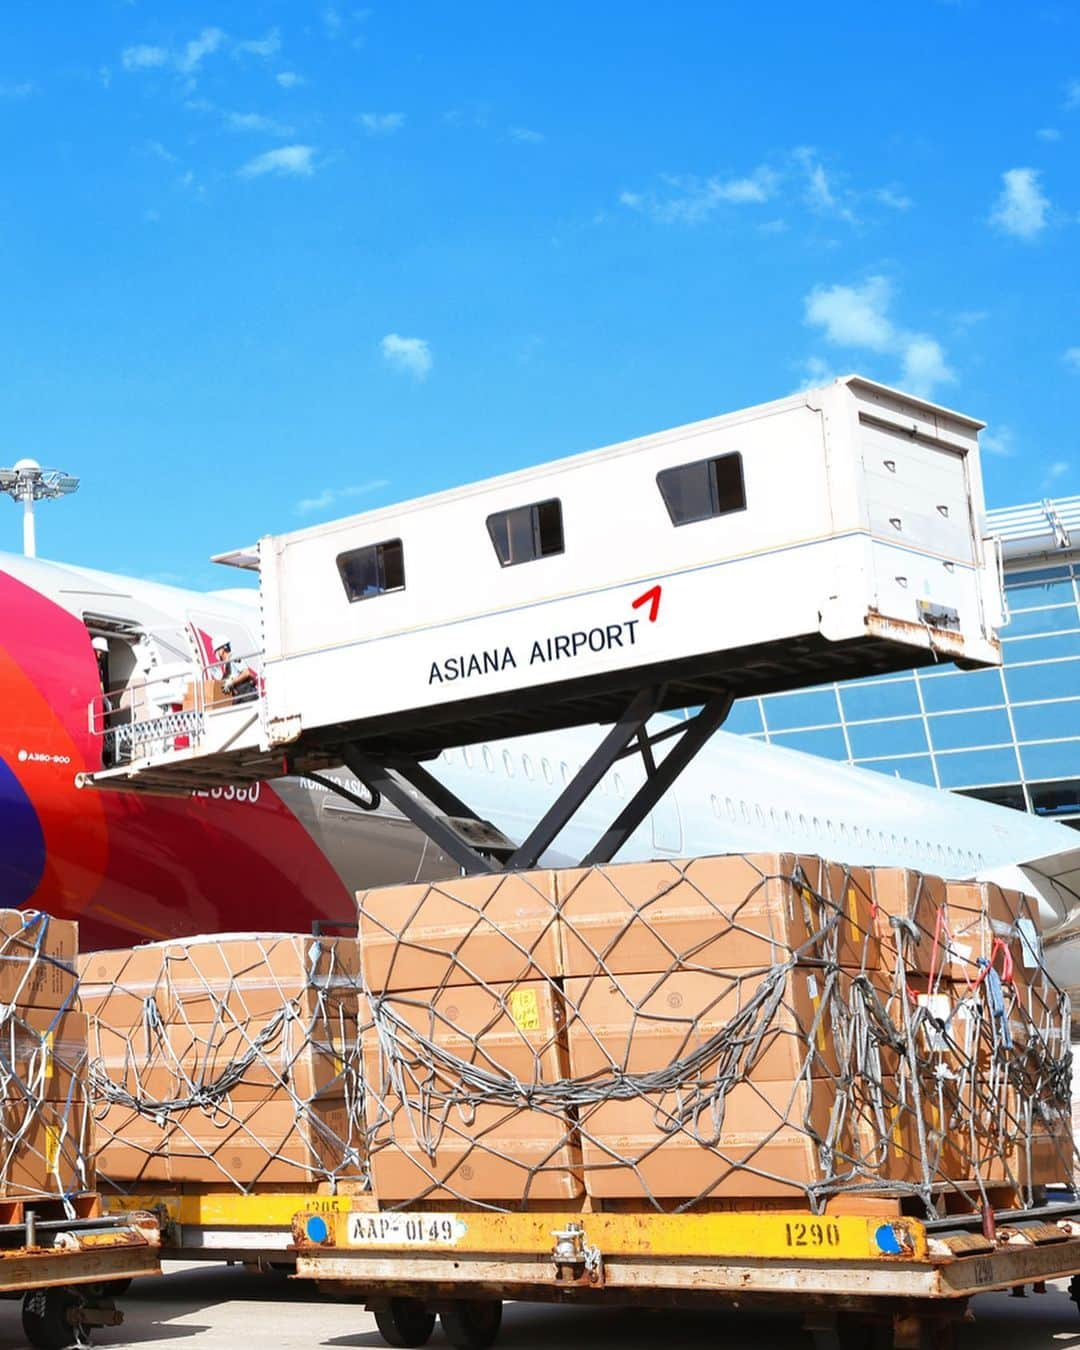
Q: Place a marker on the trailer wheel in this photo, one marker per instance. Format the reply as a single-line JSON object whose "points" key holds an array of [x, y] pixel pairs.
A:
{"points": [[404, 1322], [46, 1321], [472, 1323]]}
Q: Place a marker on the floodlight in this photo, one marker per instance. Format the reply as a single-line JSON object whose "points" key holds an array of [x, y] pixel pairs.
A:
{"points": [[28, 483]]}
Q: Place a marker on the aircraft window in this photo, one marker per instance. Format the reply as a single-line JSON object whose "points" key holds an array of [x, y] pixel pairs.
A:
{"points": [[618, 786], [774, 818], [857, 832], [564, 770], [895, 845], [843, 832], [730, 805], [467, 756], [489, 759], [527, 532], [817, 825], [745, 812], [372, 570], [787, 820], [830, 829], [508, 763], [527, 765], [545, 765], [760, 814], [707, 488], [802, 822], [714, 802]]}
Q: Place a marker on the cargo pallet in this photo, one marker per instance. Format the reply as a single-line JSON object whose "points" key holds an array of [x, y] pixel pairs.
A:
{"points": [[903, 1281], [68, 1269]]}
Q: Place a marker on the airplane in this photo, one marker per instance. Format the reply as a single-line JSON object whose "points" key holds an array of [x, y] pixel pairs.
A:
{"points": [[282, 856]]}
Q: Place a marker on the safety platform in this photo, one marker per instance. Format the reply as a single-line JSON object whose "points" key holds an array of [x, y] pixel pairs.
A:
{"points": [[834, 534]]}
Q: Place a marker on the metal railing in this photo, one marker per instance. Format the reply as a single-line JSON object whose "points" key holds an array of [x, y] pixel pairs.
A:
{"points": [[167, 709]]}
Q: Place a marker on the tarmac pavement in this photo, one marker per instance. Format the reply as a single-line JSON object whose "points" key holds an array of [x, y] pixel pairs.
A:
{"points": [[212, 1307]]}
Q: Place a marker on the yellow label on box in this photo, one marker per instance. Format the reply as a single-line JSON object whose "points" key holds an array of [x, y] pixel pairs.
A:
{"points": [[52, 1147], [525, 1009]]}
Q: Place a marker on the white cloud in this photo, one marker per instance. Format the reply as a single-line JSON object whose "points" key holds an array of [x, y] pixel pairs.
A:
{"points": [[526, 135], [697, 199], [160, 151], [892, 196], [1072, 94], [853, 316], [1048, 134], [1022, 207], [1072, 357], [816, 372], [858, 317], [196, 51], [270, 45], [19, 89], [820, 193], [328, 496], [1055, 472], [410, 355], [999, 442], [256, 122], [924, 365], [290, 161], [332, 21], [143, 57], [288, 79], [381, 124]]}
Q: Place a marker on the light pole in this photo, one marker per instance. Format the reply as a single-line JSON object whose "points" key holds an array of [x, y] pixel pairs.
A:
{"points": [[27, 482]]}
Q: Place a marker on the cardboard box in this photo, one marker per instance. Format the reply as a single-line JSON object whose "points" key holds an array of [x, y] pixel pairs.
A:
{"points": [[980, 927], [238, 976], [303, 1059], [50, 1155], [37, 959], [636, 1024], [917, 900], [444, 1140], [490, 929], [723, 913], [43, 1055], [657, 1147], [248, 1144]]}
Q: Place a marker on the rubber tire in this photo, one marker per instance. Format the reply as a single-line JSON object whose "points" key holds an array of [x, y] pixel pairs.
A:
{"points": [[404, 1322], [44, 1318], [472, 1323]]}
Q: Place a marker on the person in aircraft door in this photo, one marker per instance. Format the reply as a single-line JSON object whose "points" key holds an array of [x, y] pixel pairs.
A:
{"points": [[237, 678]]}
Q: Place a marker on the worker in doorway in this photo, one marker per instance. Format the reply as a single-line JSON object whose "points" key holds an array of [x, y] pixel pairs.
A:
{"points": [[237, 678]]}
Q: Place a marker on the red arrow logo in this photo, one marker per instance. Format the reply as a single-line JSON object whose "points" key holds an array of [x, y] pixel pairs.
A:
{"points": [[652, 597]]}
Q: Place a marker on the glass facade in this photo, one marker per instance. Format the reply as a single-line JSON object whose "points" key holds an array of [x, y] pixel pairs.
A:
{"points": [[1010, 736]]}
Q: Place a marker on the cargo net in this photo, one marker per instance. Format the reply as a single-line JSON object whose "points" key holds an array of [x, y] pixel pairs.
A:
{"points": [[692, 1034], [44, 1116], [231, 1062]]}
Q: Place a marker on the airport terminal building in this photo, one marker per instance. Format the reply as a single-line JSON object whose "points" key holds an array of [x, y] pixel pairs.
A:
{"points": [[1010, 736]]}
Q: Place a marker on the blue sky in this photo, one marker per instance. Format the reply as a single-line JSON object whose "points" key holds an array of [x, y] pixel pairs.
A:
{"points": [[267, 263]]}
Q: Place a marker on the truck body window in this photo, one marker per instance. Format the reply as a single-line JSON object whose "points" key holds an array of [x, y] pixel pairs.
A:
{"points": [[707, 488], [372, 570], [527, 532]]}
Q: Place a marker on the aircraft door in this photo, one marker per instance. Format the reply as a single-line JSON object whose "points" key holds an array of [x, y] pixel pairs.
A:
{"points": [[667, 824]]}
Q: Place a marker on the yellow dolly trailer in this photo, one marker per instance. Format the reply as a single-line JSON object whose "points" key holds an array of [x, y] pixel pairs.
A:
{"points": [[856, 1280], [68, 1269], [255, 1229]]}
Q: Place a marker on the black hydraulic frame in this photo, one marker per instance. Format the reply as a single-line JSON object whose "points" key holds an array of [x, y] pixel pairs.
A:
{"points": [[415, 791]]}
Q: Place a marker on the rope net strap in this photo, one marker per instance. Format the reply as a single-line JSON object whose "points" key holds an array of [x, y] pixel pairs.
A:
{"points": [[44, 1112], [230, 1061], [765, 1028]]}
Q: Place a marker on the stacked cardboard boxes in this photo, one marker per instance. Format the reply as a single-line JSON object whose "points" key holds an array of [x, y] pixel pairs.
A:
{"points": [[464, 1031], [44, 1115], [230, 1060], [763, 1027]]}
